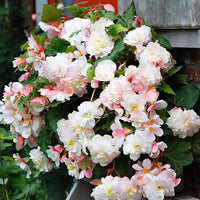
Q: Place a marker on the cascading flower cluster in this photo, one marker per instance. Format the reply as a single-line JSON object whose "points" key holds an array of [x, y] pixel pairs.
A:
{"points": [[107, 74]]}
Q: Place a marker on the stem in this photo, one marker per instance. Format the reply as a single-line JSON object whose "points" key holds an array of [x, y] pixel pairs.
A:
{"points": [[92, 95], [1, 165]]}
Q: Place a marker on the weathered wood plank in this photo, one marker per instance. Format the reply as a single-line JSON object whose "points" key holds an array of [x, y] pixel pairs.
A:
{"points": [[170, 14]]}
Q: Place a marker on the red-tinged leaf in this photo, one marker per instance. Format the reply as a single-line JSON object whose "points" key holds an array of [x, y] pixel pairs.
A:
{"points": [[95, 182]]}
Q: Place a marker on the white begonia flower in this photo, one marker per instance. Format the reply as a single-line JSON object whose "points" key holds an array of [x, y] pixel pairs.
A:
{"points": [[72, 167], [135, 144], [183, 122], [101, 24], [88, 112], [103, 149], [105, 70], [99, 44], [139, 36], [53, 155], [75, 26], [106, 190], [39, 159]]}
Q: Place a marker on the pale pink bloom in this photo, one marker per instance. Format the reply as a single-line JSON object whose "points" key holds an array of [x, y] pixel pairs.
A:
{"points": [[107, 189], [128, 190], [108, 7], [136, 144], [143, 77], [139, 36], [38, 104], [105, 70], [86, 166], [111, 96], [39, 159], [23, 77], [50, 29], [103, 149], [118, 132], [18, 61], [26, 90], [156, 148], [138, 119], [35, 54], [153, 127], [183, 122], [68, 137], [151, 95], [156, 55], [23, 164], [60, 92], [133, 103], [157, 187], [54, 155], [55, 67], [34, 16], [73, 169], [29, 125], [95, 84]]}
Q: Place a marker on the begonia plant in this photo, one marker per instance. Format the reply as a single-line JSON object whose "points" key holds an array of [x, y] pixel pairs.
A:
{"points": [[101, 99]]}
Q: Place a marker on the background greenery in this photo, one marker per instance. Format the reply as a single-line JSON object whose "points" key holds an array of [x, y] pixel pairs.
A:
{"points": [[14, 25]]}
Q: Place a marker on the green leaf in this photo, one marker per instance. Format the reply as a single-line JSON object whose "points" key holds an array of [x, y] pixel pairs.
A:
{"points": [[121, 70], [186, 96], [91, 72], [128, 16], [50, 12], [115, 29], [9, 158], [196, 145], [24, 46], [57, 182], [44, 139], [107, 14], [17, 181], [5, 135], [3, 173], [177, 154], [127, 125], [92, 16], [167, 130], [174, 70], [163, 41], [78, 11], [163, 114], [118, 47], [32, 76], [71, 49], [179, 79], [164, 87], [23, 100], [55, 46], [54, 115]]}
